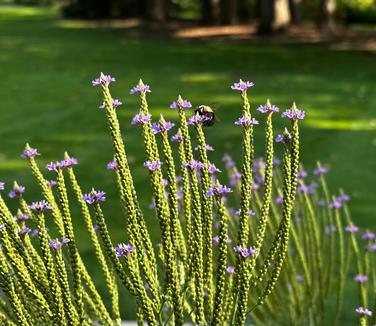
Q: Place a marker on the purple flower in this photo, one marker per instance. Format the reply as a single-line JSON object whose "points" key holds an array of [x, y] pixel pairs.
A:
{"points": [[228, 240], [278, 200], [115, 104], [52, 166], [180, 104], [103, 79], [21, 217], [112, 165], [301, 174], [360, 278], [193, 165], [139, 119], [17, 191], [69, 162], [94, 197], [218, 190], [246, 122], [320, 170], [242, 85], [216, 240], [140, 88], [153, 165], [234, 178], [244, 251], [177, 138], [371, 247], [56, 244], [2, 227], [230, 269], [196, 119], [123, 249], [24, 230], [368, 235], [2, 184], [29, 152], [363, 311], [268, 108], [284, 138], [51, 183], [208, 148], [213, 169], [162, 127], [330, 229], [40, 206], [293, 114], [343, 198], [335, 204], [34, 233], [351, 228], [250, 213]]}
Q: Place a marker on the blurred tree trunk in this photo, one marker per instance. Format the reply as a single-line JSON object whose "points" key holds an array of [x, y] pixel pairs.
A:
{"points": [[274, 16], [296, 11], [327, 12], [210, 11], [156, 10], [230, 12]]}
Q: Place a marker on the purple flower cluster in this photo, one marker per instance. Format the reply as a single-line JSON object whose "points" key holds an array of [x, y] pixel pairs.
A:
{"points": [[196, 120], [284, 138], [218, 190], [242, 85], [112, 165], [320, 170], [51, 183], [24, 230], [181, 104], [21, 217], [56, 244], [29, 153], [338, 202], [330, 229], [363, 311], [245, 252], [246, 122], [360, 278], [230, 269], [213, 169], [140, 88], [162, 127], [103, 79], [234, 178], [17, 191], [368, 235], [153, 165], [293, 114], [177, 138], [208, 148], [193, 165], [123, 249], [140, 119], [267, 109], [67, 163], [115, 104], [94, 197], [40, 206], [351, 228]]}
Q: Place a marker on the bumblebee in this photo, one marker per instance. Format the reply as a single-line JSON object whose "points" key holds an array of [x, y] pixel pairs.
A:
{"points": [[207, 112]]}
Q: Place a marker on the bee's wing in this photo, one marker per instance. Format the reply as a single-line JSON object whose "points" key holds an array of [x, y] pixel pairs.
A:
{"points": [[214, 105]]}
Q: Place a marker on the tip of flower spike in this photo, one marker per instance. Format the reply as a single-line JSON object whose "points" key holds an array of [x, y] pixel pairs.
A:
{"points": [[140, 82], [161, 119]]}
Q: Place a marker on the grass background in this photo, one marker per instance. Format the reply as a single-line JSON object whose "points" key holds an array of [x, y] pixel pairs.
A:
{"points": [[47, 100]]}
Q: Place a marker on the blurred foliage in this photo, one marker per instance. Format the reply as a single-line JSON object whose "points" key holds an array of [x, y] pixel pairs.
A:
{"points": [[358, 10]]}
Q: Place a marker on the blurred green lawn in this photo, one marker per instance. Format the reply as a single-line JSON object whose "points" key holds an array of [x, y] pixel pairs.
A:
{"points": [[47, 100]]}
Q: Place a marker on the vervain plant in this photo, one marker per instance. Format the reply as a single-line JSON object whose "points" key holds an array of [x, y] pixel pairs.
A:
{"points": [[211, 268]]}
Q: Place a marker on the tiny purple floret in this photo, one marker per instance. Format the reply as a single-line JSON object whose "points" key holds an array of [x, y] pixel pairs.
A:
{"points": [[242, 85]]}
